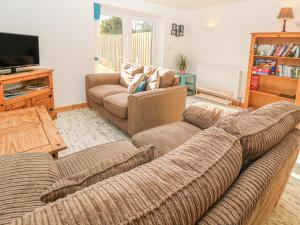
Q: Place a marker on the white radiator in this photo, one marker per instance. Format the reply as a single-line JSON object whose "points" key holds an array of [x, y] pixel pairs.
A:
{"points": [[220, 78]]}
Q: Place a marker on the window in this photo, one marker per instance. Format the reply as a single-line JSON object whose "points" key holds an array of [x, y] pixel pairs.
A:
{"points": [[111, 43], [123, 37], [142, 38]]}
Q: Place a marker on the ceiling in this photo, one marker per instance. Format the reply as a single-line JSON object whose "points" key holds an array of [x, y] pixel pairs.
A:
{"points": [[190, 4]]}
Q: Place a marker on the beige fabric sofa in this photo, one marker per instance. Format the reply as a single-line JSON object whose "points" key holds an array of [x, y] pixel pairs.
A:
{"points": [[196, 178], [134, 113]]}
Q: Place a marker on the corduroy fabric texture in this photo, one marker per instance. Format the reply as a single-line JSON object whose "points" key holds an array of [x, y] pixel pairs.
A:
{"points": [[205, 115], [264, 128], [23, 177], [102, 171], [175, 189], [237, 205], [165, 138], [78, 162]]}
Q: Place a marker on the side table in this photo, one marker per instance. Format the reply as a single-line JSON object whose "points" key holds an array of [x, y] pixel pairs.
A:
{"points": [[189, 81]]}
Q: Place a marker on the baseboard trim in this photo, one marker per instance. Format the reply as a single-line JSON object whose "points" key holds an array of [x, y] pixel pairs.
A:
{"points": [[71, 107]]}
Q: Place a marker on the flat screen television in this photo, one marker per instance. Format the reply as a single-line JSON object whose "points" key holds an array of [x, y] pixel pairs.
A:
{"points": [[18, 51]]}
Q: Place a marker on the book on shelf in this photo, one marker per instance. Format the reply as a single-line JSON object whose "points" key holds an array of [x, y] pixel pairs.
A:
{"points": [[12, 93], [288, 50], [36, 87], [288, 71], [264, 67]]}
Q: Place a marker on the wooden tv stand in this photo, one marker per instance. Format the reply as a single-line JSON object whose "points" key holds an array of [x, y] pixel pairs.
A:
{"points": [[30, 98]]}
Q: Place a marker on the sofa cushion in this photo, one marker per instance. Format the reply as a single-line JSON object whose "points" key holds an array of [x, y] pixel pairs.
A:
{"points": [[248, 192], [205, 115], [165, 138], [264, 128], [83, 160], [95, 174], [167, 78], [137, 80], [98, 93], [117, 105], [175, 189], [23, 177], [128, 73], [153, 81]]}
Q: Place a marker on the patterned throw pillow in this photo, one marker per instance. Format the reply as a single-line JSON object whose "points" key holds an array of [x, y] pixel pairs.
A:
{"points": [[149, 70], [137, 80], [128, 73], [142, 87], [153, 81]]}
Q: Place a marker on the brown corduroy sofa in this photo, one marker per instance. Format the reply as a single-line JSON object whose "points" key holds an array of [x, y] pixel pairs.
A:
{"points": [[134, 113], [231, 171]]}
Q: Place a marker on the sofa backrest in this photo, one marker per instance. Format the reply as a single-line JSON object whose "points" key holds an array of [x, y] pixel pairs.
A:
{"points": [[262, 129], [23, 178], [257, 190], [177, 188]]}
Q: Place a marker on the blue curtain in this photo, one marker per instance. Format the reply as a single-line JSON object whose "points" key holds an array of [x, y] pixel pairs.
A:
{"points": [[97, 11]]}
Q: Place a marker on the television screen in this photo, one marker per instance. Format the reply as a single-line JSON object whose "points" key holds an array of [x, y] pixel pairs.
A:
{"points": [[18, 50]]}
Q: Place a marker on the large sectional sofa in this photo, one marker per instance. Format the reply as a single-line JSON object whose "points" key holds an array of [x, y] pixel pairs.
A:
{"points": [[136, 112], [212, 168]]}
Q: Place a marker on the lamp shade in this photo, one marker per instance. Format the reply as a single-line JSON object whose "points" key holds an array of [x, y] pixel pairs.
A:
{"points": [[286, 13]]}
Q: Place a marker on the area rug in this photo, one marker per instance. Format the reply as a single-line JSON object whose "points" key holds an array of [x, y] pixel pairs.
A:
{"points": [[86, 128]]}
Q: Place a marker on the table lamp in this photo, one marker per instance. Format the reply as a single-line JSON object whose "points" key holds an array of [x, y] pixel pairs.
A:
{"points": [[285, 14]]}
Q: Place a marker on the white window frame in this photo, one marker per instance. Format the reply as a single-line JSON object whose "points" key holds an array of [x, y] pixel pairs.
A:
{"points": [[127, 17]]}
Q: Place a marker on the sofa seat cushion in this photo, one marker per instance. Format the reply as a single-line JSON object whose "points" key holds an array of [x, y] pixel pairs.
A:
{"points": [[83, 160], [95, 174], [117, 104], [98, 93], [23, 178], [175, 189], [166, 138], [264, 128]]}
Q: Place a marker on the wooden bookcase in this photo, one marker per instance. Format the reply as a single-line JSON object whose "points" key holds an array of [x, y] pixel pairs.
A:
{"points": [[31, 98], [271, 86]]}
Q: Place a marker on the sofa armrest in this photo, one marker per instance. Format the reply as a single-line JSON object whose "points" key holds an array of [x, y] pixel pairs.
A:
{"points": [[94, 80], [154, 108]]}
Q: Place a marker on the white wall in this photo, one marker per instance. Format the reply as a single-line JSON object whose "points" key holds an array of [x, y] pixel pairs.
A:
{"points": [[228, 43], [65, 29]]}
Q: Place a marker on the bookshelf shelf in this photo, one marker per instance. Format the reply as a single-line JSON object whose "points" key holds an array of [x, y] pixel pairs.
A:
{"points": [[273, 95], [276, 57], [265, 89], [276, 77]]}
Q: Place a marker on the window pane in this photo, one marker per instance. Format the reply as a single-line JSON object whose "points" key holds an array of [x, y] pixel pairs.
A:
{"points": [[111, 44], [142, 33]]}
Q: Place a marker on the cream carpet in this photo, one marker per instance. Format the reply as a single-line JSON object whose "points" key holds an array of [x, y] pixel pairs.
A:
{"points": [[86, 128]]}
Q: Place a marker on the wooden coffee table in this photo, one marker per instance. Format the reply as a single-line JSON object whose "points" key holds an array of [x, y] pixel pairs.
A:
{"points": [[29, 130]]}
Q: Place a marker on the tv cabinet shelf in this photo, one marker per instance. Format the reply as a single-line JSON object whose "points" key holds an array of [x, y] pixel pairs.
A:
{"points": [[30, 98]]}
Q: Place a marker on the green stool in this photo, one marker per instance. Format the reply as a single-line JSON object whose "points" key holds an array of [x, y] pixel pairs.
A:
{"points": [[189, 81]]}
